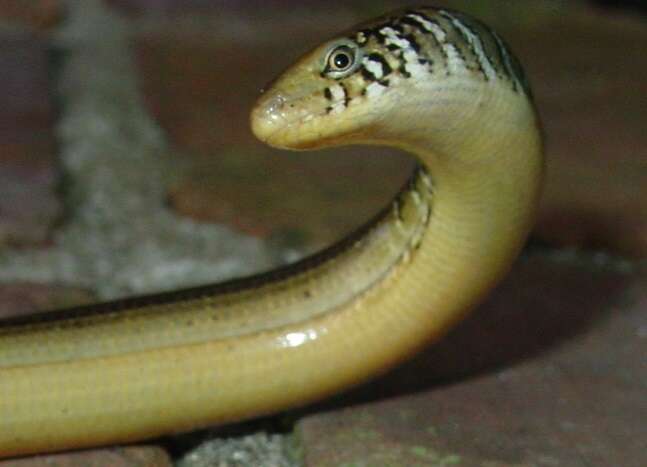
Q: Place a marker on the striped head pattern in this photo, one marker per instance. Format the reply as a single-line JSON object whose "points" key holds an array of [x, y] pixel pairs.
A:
{"points": [[342, 91]]}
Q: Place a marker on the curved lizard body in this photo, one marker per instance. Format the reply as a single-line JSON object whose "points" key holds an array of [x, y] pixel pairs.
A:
{"points": [[432, 82]]}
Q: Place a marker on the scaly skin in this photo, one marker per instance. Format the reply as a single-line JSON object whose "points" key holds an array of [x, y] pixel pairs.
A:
{"points": [[435, 83]]}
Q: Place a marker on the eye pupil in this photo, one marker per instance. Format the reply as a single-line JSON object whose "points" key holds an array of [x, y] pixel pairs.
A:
{"points": [[341, 60]]}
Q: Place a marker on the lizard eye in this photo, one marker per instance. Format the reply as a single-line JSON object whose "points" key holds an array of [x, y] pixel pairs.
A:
{"points": [[341, 61]]}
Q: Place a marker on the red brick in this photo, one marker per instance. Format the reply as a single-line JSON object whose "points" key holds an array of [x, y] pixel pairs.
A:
{"points": [[133, 456], [35, 14], [28, 175], [25, 298]]}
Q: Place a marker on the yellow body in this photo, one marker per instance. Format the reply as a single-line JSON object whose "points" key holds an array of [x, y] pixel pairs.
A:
{"points": [[156, 365]]}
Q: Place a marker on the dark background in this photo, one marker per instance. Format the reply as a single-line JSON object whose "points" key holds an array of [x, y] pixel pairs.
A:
{"points": [[640, 5]]}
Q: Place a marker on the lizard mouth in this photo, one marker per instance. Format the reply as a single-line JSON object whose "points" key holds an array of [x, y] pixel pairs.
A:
{"points": [[285, 122]]}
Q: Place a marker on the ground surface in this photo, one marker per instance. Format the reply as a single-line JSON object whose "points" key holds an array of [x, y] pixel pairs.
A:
{"points": [[550, 371]]}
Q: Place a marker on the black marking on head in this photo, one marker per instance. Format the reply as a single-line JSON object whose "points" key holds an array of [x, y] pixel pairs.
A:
{"points": [[423, 15], [462, 21], [479, 65], [364, 32], [414, 23], [459, 53], [367, 75], [512, 65], [374, 31], [413, 42], [397, 28], [433, 38], [415, 47], [502, 69], [477, 61], [436, 23], [381, 38], [467, 22], [329, 109], [403, 70], [328, 94], [346, 95], [376, 57]]}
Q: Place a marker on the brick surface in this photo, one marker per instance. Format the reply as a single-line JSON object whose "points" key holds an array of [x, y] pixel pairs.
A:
{"points": [[37, 15], [28, 201], [25, 298], [593, 113], [135, 456], [142, 7]]}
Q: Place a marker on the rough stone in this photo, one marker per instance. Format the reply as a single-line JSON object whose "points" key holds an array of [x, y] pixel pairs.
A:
{"points": [[254, 450]]}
